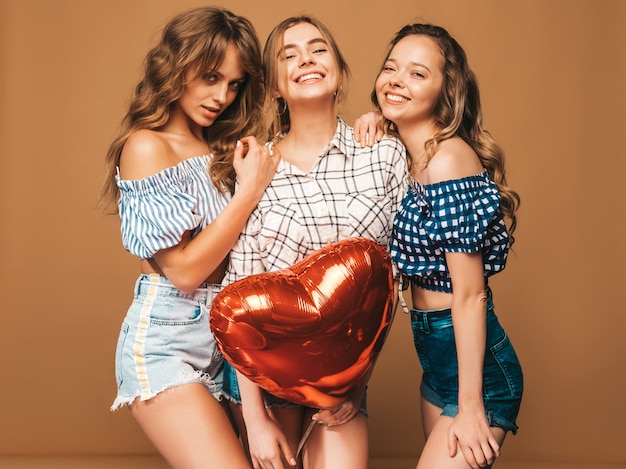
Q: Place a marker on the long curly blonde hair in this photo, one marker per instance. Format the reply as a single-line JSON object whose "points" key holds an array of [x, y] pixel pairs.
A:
{"points": [[194, 40], [459, 112]]}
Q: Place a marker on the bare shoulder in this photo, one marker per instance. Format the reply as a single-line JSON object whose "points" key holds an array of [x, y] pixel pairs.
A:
{"points": [[146, 152], [454, 159]]}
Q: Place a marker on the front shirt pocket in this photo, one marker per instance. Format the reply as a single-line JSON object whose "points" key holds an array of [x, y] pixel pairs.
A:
{"points": [[367, 216]]}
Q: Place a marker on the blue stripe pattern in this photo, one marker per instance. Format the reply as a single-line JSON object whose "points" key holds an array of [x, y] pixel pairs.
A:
{"points": [[157, 210]]}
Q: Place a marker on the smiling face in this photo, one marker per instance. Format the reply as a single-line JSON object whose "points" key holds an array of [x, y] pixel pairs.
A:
{"points": [[206, 96], [410, 82], [306, 67]]}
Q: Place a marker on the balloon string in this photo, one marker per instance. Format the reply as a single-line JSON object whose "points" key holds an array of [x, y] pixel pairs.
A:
{"points": [[305, 437]]}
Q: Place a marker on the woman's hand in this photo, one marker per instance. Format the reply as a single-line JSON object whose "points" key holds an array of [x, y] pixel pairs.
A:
{"points": [[368, 128], [471, 433], [266, 441], [343, 413], [268, 445], [254, 166]]}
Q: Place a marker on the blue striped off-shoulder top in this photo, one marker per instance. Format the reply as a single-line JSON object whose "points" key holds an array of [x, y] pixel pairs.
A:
{"points": [[157, 210]]}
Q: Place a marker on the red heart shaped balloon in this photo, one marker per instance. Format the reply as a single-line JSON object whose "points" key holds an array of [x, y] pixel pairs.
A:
{"points": [[311, 333]]}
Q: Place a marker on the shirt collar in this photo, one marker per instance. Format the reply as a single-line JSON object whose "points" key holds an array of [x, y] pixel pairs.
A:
{"points": [[343, 140]]}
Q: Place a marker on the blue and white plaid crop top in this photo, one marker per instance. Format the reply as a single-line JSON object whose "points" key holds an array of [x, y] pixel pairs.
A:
{"points": [[157, 210], [460, 215]]}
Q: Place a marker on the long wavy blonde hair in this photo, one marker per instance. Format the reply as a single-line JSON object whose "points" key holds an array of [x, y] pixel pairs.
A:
{"points": [[459, 112], [276, 108], [195, 40]]}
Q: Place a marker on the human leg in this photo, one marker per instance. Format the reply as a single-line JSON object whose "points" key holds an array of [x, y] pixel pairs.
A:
{"points": [[190, 429], [430, 414], [288, 416], [290, 421], [435, 453], [287, 419], [339, 446], [502, 382]]}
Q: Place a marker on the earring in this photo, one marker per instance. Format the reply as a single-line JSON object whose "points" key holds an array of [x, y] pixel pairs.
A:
{"points": [[339, 94], [284, 104]]}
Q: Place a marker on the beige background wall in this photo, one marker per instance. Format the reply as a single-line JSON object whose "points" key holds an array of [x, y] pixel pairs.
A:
{"points": [[552, 75]]}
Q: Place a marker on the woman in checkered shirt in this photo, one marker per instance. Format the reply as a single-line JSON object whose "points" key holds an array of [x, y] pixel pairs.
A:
{"points": [[449, 237], [327, 188]]}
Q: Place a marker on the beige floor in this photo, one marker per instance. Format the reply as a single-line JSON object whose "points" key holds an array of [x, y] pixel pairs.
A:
{"points": [[410, 464], [148, 462]]}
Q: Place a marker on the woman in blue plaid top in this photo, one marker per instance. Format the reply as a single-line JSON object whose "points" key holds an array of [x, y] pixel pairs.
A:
{"points": [[449, 237]]}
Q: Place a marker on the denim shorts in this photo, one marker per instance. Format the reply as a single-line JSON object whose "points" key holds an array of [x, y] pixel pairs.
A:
{"points": [[231, 392], [503, 381], [165, 341]]}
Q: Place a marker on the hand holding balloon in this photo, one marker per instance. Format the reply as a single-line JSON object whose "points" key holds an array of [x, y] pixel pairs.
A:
{"points": [[311, 333]]}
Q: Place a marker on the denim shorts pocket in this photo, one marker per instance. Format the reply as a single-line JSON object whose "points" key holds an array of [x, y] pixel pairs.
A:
{"points": [[176, 312], [119, 354], [436, 350], [509, 367], [420, 348], [217, 359]]}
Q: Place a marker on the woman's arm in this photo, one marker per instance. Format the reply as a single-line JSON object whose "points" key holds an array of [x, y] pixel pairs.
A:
{"points": [[470, 429], [265, 438], [191, 261]]}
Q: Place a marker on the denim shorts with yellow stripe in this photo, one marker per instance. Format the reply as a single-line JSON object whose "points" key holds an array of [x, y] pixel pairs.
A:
{"points": [[165, 341]]}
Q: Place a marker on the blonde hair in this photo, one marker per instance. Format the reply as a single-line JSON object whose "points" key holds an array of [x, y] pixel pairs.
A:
{"points": [[458, 112], [276, 108], [196, 41]]}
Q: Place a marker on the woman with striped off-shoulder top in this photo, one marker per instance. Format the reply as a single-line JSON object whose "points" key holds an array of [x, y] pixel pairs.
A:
{"points": [[189, 132]]}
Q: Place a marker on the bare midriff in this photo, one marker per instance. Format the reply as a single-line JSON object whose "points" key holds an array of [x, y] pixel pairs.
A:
{"points": [[430, 300], [148, 266]]}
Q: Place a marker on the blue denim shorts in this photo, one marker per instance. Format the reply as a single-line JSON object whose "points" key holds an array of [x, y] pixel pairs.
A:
{"points": [[231, 392], [165, 341], [503, 381]]}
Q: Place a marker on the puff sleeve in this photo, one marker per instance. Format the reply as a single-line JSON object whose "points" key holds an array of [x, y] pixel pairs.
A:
{"points": [[156, 211], [460, 213]]}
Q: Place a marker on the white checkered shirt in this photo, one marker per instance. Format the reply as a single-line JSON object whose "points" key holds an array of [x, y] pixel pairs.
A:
{"points": [[349, 192]]}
